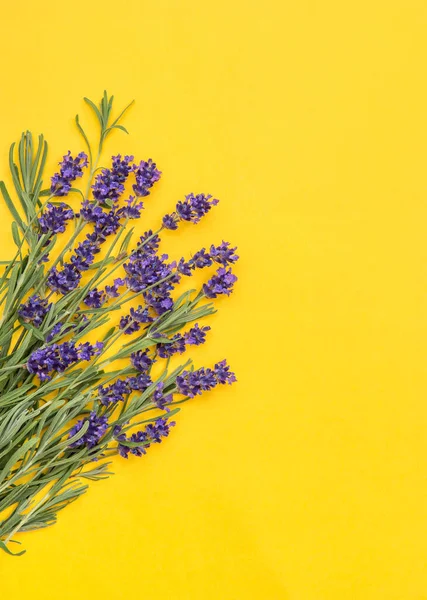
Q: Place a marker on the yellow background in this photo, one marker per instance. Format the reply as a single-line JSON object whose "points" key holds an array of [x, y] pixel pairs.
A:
{"points": [[307, 480]]}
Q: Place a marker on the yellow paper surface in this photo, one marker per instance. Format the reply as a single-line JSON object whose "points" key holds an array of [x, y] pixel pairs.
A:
{"points": [[307, 479]]}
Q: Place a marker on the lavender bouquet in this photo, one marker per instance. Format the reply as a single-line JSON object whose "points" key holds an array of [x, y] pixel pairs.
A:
{"points": [[73, 394]]}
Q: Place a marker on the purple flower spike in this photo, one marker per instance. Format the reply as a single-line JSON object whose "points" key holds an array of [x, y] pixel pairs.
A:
{"points": [[132, 322], [184, 268], [146, 175], [109, 183], [196, 335], [177, 346], [170, 222], [34, 310], [195, 207], [160, 400], [145, 271], [84, 254], [221, 283], [64, 281], [113, 393], [192, 383], [148, 244], [139, 383], [152, 434], [192, 209], [223, 254], [58, 357], [71, 169], [54, 218], [95, 298], [133, 209], [200, 260], [113, 290], [223, 373], [86, 351], [184, 210], [96, 429], [56, 330], [141, 361]]}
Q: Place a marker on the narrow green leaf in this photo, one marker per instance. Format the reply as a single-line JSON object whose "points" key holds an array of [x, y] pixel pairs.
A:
{"points": [[110, 104], [35, 164], [122, 113], [8, 551], [28, 148], [38, 181], [109, 332], [125, 243], [77, 191], [22, 160], [36, 333], [122, 128], [15, 234], [104, 106], [95, 110], [80, 128], [11, 206], [17, 456]]}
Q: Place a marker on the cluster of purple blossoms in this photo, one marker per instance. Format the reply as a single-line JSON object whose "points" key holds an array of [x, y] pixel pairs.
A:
{"points": [[133, 208], [34, 310], [58, 357], [174, 345], [152, 434], [63, 281], [148, 243], [84, 254], [56, 330], [192, 209], [97, 427], [113, 290], [69, 277], [106, 222], [71, 169], [109, 184], [139, 383], [113, 393], [178, 343], [222, 254], [146, 175], [192, 383], [95, 298], [54, 218], [221, 283], [133, 321], [151, 274], [196, 335], [141, 361], [121, 388], [160, 400], [159, 299], [145, 271]]}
